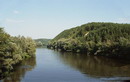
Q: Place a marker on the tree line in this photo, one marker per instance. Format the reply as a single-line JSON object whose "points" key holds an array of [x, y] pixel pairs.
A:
{"points": [[13, 50], [107, 39], [41, 42]]}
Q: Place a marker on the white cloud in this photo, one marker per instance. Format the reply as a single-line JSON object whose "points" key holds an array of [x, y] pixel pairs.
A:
{"points": [[123, 20], [16, 12], [14, 21]]}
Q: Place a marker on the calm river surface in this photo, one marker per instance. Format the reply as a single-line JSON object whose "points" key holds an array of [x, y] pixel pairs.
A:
{"points": [[54, 66]]}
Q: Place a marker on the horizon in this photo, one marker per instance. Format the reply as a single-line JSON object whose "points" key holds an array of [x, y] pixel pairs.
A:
{"points": [[48, 18], [66, 29]]}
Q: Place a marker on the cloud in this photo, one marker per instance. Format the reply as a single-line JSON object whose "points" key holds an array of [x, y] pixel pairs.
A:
{"points": [[123, 20], [14, 21], [16, 12]]}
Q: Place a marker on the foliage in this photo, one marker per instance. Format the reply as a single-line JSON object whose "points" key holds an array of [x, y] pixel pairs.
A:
{"points": [[42, 42], [109, 39], [13, 50]]}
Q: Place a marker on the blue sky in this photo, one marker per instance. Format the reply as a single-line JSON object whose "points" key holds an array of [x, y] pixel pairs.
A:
{"points": [[47, 18]]}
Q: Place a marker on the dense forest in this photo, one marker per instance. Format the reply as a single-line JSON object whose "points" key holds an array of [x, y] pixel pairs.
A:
{"points": [[41, 42], [106, 39], [13, 50]]}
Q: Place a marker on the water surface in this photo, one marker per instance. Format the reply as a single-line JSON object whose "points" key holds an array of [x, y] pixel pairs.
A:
{"points": [[54, 66]]}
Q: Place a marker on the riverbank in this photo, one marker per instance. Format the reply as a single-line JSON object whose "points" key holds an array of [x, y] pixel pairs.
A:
{"points": [[13, 50], [105, 39], [54, 66]]}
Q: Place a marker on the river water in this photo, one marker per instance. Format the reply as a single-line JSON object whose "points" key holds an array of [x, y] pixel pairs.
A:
{"points": [[54, 66]]}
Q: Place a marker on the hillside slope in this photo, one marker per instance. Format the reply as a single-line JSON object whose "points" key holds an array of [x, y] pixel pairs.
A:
{"points": [[110, 39]]}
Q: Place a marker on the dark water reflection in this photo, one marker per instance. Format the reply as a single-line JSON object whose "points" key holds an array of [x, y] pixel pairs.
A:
{"points": [[21, 69], [54, 66], [97, 66]]}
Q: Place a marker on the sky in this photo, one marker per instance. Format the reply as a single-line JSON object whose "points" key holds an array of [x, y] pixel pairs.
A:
{"points": [[47, 18]]}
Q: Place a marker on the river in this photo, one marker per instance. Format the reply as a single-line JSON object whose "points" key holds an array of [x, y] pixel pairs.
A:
{"points": [[54, 66]]}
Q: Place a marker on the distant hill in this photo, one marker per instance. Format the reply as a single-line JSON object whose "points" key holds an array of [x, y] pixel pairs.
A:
{"points": [[95, 38], [41, 42]]}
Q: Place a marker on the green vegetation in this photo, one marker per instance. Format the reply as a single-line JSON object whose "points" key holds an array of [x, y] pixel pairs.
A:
{"points": [[107, 39], [13, 50], [28, 64], [42, 42]]}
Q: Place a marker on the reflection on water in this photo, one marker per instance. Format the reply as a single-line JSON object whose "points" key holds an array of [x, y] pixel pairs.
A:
{"points": [[96, 66], [20, 71], [53, 66]]}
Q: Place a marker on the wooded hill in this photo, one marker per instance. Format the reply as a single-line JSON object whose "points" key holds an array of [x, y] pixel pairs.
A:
{"points": [[107, 39], [41, 42]]}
